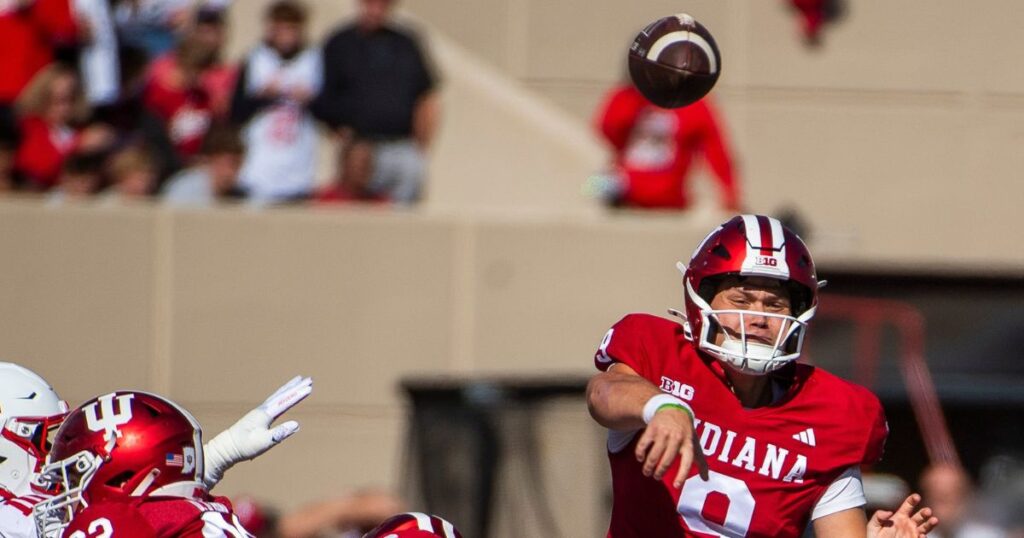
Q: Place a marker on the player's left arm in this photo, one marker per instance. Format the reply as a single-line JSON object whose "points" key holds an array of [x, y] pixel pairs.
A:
{"points": [[904, 523], [252, 435], [850, 523]]}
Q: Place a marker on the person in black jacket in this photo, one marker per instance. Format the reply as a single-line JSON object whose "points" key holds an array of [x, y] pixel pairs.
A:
{"points": [[378, 84]]}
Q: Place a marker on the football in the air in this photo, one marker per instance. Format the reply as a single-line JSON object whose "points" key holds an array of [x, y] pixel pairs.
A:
{"points": [[674, 61]]}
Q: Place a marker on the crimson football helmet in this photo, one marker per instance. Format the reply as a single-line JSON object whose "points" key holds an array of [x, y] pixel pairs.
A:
{"points": [[750, 246], [414, 525], [116, 446], [30, 413]]}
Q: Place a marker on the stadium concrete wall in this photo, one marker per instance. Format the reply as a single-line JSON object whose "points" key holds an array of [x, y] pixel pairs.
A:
{"points": [[900, 135]]}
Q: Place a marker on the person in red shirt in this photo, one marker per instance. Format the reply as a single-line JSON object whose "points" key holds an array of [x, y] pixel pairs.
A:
{"points": [[31, 30], [355, 170], [655, 148], [217, 78], [715, 429], [47, 110], [174, 92]]}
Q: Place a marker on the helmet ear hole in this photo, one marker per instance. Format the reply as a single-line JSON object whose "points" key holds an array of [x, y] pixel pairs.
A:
{"points": [[721, 252], [119, 480]]}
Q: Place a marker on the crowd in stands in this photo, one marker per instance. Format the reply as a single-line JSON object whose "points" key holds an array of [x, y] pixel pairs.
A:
{"points": [[115, 100]]}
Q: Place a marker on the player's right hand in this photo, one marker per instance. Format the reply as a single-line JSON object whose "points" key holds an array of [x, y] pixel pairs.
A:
{"points": [[670, 435]]}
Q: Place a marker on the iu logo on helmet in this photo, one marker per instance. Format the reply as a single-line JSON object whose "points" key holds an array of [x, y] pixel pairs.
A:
{"points": [[100, 415]]}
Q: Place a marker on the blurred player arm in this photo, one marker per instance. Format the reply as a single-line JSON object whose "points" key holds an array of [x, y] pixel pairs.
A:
{"points": [[616, 118], [719, 157], [360, 511], [425, 119]]}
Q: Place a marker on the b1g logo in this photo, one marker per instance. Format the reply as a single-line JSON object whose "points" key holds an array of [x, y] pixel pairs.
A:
{"points": [[100, 415], [767, 260]]}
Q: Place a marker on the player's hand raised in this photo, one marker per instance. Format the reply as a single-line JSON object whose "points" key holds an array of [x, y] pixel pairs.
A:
{"points": [[906, 522], [670, 435]]}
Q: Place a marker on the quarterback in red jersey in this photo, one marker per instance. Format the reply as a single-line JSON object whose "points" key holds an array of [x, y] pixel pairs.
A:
{"points": [[715, 429], [131, 463]]}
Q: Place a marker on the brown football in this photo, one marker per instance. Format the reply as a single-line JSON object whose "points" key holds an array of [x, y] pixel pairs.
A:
{"points": [[674, 61]]}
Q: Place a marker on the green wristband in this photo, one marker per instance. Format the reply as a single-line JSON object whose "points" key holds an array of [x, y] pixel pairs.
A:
{"points": [[675, 406]]}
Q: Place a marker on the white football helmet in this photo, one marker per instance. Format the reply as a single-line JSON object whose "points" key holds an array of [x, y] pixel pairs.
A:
{"points": [[30, 413]]}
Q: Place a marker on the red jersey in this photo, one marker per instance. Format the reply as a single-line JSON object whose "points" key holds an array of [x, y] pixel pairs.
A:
{"points": [[30, 34], [158, 517], [42, 151], [186, 111], [768, 466], [655, 147]]}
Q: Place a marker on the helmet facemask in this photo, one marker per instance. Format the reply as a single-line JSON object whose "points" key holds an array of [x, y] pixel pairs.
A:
{"points": [[741, 351], [70, 476], [31, 437]]}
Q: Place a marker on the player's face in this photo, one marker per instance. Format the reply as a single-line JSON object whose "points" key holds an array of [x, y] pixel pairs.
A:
{"points": [[752, 295]]}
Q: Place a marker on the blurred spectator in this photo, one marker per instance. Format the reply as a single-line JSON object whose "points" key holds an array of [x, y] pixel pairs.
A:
{"points": [[174, 94], [47, 111], [655, 147], [352, 179], [132, 175], [217, 78], [351, 515], [151, 25], [31, 30], [278, 80], [97, 62], [948, 490], [81, 176], [214, 178], [377, 83]]}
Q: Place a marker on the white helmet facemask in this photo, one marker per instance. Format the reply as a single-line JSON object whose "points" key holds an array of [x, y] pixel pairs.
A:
{"points": [[742, 352], [71, 476]]}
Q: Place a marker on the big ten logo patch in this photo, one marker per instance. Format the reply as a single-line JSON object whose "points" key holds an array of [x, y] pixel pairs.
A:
{"points": [[677, 389], [102, 416], [767, 261]]}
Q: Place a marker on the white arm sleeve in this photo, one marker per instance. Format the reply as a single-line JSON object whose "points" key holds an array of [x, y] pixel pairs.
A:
{"points": [[845, 492]]}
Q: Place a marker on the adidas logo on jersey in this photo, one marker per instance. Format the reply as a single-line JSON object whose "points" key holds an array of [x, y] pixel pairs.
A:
{"points": [[806, 437]]}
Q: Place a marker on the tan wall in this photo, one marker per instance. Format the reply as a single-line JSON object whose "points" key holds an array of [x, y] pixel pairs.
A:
{"points": [[216, 309], [899, 138]]}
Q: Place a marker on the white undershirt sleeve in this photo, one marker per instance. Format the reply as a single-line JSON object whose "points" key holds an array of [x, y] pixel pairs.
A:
{"points": [[845, 492]]}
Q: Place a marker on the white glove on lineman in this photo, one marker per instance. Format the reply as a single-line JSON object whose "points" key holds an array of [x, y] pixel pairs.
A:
{"points": [[252, 434]]}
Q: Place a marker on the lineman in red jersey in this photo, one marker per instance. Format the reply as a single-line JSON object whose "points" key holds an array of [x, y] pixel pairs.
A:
{"points": [[776, 444], [131, 463], [31, 412]]}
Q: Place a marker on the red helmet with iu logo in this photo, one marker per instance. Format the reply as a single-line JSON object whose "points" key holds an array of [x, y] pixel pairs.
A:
{"points": [[120, 445], [414, 525], [750, 246]]}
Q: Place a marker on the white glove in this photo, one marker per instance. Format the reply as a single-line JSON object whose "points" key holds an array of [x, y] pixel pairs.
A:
{"points": [[252, 434]]}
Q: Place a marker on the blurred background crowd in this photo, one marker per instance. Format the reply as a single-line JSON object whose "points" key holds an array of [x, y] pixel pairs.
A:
{"points": [[133, 99]]}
